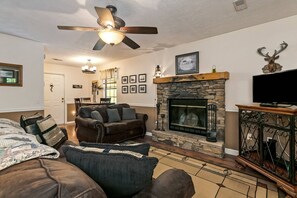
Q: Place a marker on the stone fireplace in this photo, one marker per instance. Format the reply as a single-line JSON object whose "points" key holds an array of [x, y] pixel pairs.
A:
{"points": [[183, 105]]}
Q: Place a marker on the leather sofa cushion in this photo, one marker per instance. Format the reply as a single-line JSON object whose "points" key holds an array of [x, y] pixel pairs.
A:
{"points": [[115, 127], [47, 178], [132, 124], [124, 125]]}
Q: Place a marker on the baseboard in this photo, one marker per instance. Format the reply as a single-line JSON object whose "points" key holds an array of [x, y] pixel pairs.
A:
{"points": [[70, 122], [231, 151]]}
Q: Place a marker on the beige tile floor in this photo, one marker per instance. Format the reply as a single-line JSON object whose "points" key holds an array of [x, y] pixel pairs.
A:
{"points": [[213, 181]]}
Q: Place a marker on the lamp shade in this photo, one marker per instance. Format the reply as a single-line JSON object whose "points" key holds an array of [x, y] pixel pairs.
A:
{"points": [[111, 36]]}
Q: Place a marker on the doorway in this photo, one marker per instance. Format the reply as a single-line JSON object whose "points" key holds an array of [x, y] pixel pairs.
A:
{"points": [[54, 97]]}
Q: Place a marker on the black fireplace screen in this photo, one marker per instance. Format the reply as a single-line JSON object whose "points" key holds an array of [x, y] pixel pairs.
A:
{"points": [[188, 115]]}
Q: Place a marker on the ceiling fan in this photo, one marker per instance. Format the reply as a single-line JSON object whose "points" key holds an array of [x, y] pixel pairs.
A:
{"points": [[112, 29]]}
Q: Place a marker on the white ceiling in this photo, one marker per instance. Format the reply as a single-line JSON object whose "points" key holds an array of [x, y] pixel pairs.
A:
{"points": [[178, 22]]}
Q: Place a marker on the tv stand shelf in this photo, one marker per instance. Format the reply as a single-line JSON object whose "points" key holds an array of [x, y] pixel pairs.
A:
{"points": [[267, 143]]}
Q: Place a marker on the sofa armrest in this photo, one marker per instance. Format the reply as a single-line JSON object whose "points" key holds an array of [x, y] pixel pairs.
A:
{"points": [[142, 116], [89, 129], [88, 122], [173, 183]]}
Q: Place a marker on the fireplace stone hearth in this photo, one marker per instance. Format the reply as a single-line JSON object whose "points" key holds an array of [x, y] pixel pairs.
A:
{"points": [[209, 86], [190, 142]]}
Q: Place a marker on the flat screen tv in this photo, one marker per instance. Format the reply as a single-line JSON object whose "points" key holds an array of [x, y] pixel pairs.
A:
{"points": [[276, 88]]}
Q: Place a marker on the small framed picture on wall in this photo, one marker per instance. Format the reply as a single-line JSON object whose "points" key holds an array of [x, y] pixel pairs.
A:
{"points": [[124, 89], [141, 78], [124, 79], [132, 79], [142, 88], [133, 89]]}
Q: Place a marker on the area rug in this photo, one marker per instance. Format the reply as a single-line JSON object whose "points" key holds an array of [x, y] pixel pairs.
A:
{"points": [[214, 181]]}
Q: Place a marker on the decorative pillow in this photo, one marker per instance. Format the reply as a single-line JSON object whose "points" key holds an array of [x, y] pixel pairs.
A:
{"points": [[142, 148], [51, 133], [113, 115], [28, 120], [129, 114], [97, 116], [34, 130], [30, 126], [119, 173]]}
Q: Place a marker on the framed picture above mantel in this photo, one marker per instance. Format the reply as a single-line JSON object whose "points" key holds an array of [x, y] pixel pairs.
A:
{"points": [[187, 63], [11, 75]]}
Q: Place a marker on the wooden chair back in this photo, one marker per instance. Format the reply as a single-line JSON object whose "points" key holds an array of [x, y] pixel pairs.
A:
{"points": [[77, 103], [105, 100]]}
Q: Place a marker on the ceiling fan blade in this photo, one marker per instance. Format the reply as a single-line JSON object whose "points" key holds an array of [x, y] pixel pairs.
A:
{"points": [[105, 17], [140, 30], [99, 45], [79, 28], [130, 43]]}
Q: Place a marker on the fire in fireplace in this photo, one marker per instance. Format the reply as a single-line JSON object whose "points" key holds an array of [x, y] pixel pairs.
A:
{"points": [[188, 115]]}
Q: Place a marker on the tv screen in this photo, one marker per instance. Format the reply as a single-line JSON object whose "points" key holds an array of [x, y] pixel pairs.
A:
{"points": [[276, 88]]}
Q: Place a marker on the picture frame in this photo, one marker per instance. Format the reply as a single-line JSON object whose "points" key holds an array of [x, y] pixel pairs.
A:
{"points": [[142, 88], [124, 89], [132, 78], [124, 79], [141, 78], [187, 63], [11, 74], [133, 89]]}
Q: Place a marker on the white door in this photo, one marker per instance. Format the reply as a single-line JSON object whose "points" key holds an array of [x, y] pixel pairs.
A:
{"points": [[54, 97]]}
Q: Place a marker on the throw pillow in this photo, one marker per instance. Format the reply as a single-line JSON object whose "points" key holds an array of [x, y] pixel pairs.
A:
{"points": [[113, 115], [28, 120], [29, 124], [129, 114], [51, 133], [142, 148], [97, 116], [119, 173]]}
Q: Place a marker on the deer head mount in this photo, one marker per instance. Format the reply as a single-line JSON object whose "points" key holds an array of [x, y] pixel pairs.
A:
{"points": [[272, 66]]}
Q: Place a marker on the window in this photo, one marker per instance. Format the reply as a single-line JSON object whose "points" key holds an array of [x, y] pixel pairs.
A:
{"points": [[110, 84]]}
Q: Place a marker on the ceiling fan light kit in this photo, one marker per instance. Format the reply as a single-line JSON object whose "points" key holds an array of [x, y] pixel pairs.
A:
{"points": [[111, 36], [89, 68], [113, 29]]}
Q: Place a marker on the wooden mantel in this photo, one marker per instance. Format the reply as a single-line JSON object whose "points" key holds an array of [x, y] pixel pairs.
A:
{"points": [[192, 77]]}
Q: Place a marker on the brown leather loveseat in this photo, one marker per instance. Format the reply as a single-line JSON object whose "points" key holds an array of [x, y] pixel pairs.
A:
{"points": [[109, 123]]}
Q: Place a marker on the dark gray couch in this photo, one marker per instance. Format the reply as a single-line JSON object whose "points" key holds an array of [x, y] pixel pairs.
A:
{"points": [[91, 130]]}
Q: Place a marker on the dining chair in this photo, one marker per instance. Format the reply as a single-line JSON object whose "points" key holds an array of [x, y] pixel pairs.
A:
{"points": [[88, 99], [105, 100], [77, 103]]}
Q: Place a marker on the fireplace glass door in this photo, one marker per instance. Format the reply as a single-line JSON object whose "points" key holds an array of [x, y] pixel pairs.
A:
{"points": [[188, 115]]}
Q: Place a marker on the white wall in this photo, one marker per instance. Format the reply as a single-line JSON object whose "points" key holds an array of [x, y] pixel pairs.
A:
{"points": [[73, 76], [30, 54], [235, 52]]}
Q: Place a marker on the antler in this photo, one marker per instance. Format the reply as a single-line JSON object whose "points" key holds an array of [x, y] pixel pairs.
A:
{"points": [[283, 45], [259, 50]]}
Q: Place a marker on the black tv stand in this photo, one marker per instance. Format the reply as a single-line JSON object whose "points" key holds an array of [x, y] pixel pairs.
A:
{"points": [[273, 104]]}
